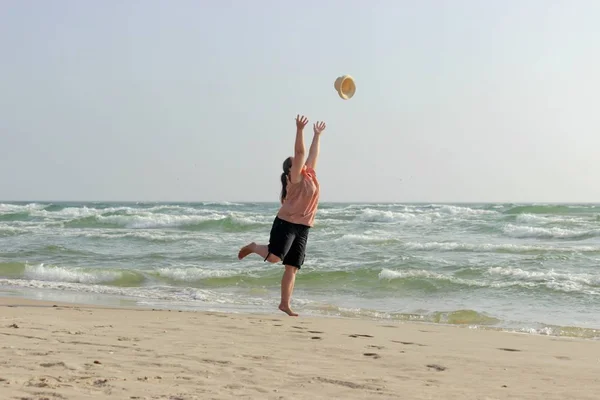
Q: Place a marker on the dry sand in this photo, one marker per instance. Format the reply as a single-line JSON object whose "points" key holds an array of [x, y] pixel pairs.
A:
{"points": [[83, 352]]}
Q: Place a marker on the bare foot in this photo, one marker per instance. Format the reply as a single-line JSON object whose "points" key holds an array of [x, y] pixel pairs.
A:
{"points": [[287, 310], [247, 249]]}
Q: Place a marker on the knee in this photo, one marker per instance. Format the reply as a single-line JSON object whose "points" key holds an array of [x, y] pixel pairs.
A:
{"points": [[291, 269], [273, 259]]}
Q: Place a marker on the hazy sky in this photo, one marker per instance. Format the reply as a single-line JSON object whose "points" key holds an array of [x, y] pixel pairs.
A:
{"points": [[195, 100]]}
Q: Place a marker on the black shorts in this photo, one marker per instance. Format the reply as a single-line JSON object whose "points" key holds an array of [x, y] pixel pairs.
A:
{"points": [[288, 242]]}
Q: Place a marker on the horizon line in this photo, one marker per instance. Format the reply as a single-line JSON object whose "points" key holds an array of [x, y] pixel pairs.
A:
{"points": [[321, 202]]}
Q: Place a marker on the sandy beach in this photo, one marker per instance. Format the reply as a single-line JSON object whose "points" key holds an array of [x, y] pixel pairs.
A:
{"points": [[66, 351]]}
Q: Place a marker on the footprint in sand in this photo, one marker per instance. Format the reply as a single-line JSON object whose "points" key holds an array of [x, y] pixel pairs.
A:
{"points": [[348, 384], [359, 335], [409, 343], [437, 367], [43, 382], [372, 355], [317, 338], [507, 349], [315, 332], [53, 364], [216, 362], [44, 395], [253, 357], [376, 347], [127, 339]]}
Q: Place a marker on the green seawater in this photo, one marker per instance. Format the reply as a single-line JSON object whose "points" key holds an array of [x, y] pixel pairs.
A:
{"points": [[525, 267]]}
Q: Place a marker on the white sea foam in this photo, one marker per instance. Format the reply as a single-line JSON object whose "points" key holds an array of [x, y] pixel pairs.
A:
{"points": [[18, 208], [367, 237], [371, 215], [154, 235], [517, 231], [221, 203], [151, 220], [190, 274], [550, 276], [390, 274], [492, 247], [61, 274], [160, 216], [463, 211], [546, 219], [185, 294], [70, 213], [7, 230], [530, 280]]}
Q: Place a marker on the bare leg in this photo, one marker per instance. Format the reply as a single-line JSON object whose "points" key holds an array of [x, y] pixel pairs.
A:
{"points": [[287, 288], [260, 249]]}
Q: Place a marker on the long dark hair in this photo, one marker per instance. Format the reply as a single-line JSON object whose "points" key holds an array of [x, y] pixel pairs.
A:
{"points": [[287, 165]]}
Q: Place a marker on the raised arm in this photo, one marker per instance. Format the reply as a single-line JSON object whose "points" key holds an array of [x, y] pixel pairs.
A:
{"points": [[298, 163], [313, 153]]}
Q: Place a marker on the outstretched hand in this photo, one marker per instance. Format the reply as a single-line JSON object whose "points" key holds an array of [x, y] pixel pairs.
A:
{"points": [[319, 127], [301, 122]]}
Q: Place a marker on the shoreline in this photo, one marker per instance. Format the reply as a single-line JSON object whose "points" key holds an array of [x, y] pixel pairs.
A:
{"points": [[110, 301], [515, 268], [70, 351]]}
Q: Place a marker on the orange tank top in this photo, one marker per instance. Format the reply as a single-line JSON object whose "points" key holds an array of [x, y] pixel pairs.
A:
{"points": [[302, 198]]}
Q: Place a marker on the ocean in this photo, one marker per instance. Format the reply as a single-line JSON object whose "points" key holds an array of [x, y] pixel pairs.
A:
{"points": [[531, 268]]}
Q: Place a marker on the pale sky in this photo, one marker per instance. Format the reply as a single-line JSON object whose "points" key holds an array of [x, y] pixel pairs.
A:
{"points": [[469, 101]]}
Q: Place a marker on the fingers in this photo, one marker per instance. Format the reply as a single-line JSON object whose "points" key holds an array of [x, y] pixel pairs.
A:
{"points": [[301, 120], [319, 126]]}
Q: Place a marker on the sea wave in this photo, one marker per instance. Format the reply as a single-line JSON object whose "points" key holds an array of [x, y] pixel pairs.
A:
{"points": [[550, 219], [571, 280], [423, 279], [380, 255], [174, 294], [498, 248], [228, 222], [372, 277], [455, 317], [6, 231], [519, 231], [156, 216], [552, 209], [214, 299], [60, 274]]}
